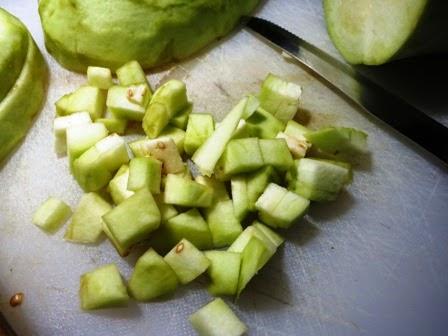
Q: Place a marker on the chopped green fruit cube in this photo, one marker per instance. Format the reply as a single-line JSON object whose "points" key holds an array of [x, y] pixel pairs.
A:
{"points": [[240, 197], [145, 172], [218, 187], [163, 149], [319, 180], [131, 73], [206, 156], [279, 207], [257, 182], [275, 238], [341, 142], [223, 224], [295, 129], [139, 94], [217, 319], [122, 251], [241, 156], [187, 261], [263, 125], [99, 77], [134, 219], [62, 124], [95, 168], [297, 146], [167, 211], [224, 272], [184, 192], [87, 225], [177, 134], [51, 215], [121, 106], [276, 153], [86, 98], [199, 128], [186, 174], [167, 101], [118, 186], [103, 288], [244, 238], [242, 130], [280, 98], [181, 119], [152, 277]]}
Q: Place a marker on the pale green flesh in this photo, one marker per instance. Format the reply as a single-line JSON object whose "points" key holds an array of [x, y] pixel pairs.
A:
{"points": [[51, 215]]}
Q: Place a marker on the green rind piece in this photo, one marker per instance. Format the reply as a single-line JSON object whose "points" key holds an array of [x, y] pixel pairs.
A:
{"points": [[51, 215], [87, 98], [275, 152], [224, 272], [145, 172], [199, 128], [99, 77], [223, 224], [184, 192], [264, 125], [241, 156]]}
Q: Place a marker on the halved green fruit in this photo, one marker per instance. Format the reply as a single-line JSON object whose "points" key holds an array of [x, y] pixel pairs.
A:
{"points": [[51, 215], [184, 192], [87, 98], [224, 272]]}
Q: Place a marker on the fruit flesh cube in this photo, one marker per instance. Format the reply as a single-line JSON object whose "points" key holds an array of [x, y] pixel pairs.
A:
{"points": [[297, 147], [184, 192], [118, 186], [218, 187], [123, 252], [51, 215], [217, 319], [181, 119], [263, 125], [240, 197], [167, 211], [276, 153], [86, 98], [257, 182], [134, 219], [187, 261], [152, 277], [178, 136], [114, 125], [241, 156], [145, 172], [167, 101], [86, 226], [103, 288], [131, 73], [163, 149], [206, 156], [224, 271], [242, 130], [280, 98], [121, 107], [61, 124], [223, 224], [275, 238], [295, 129], [199, 128], [99, 77], [271, 197]]}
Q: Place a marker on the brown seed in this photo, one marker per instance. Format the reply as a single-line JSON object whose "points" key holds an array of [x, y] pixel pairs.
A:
{"points": [[179, 248], [16, 299], [161, 145], [130, 93]]}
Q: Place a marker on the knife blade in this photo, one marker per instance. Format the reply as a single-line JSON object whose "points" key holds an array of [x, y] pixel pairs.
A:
{"points": [[391, 109]]}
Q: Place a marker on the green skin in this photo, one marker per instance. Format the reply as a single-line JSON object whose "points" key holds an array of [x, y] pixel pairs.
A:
{"points": [[79, 33], [22, 95]]}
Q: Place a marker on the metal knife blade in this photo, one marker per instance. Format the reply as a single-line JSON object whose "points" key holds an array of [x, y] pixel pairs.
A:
{"points": [[405, 118]]}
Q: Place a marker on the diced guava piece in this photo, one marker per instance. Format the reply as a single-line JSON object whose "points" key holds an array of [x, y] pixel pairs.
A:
{"points": [[294, 129], [178, 136], [187, 261], [280, 98], [134, 219], [244, 238], [257, 182], [274, 237], [168, 100], [152, 277], [167, 211], [139, 94], [184, 192], [131, 73], [185, 174], [199, 128], [218, 187], [113, 124], [87, 98], [118, 186], [263, 125], [51, 215], [297, 146], [223, 224], [163, 149], [276, 153], [240, 197], [145, 172], [123, 252], [242, 130], [224, 272], [86, 225], [61, 124], [217, 319], [120, 105], [241, 156], [99, 77], [180, 120], [103, 288]]}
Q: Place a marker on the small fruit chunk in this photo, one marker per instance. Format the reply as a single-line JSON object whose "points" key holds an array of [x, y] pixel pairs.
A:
{"points": [[103, 288], [145, 172], [51, 215], [244, 238], [131, 73], [223, 224], [118, 186], [61, 124], [184, 192], [275, 238], [181, 119], [121, 106], [279, 207], [199, 129], [122, 251], [280, 98], [167, 211], [167, 101], [152, 277], [224, 272], [319, 180], [276, 153], [263, 124], [113, 124], [139, 94], [217, 319], [257, 182], [218, 187], [178, 136], [241, 156], [295, 129], [134, 219], [99, 77], [187, 261], [87, 98], [240, 197], [86, 226]]}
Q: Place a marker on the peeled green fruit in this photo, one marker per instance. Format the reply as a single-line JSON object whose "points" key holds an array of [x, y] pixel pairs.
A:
{"points": [[145, 172], [87, 98], [51, 215]]}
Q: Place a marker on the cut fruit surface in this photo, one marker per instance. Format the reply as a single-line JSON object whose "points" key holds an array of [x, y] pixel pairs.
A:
{"points": [[121, 106], [275, 152], [199, 129], [240, 197], [87, 98], [178, 136], [118, 186], [241, 156], [180, 120], [61, 124], [145, 172], [184, 192], [257, 182], [218, 187], [263, 124], [51, 215], [131, 73], [99, 77], [224, 272], [223, 224]]}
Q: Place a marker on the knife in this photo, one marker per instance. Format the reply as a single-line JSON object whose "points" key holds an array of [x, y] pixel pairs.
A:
{"points": [[394, 111]]}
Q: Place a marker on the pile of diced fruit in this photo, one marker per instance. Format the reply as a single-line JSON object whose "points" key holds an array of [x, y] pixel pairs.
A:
{"points": [[205, 196]]}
